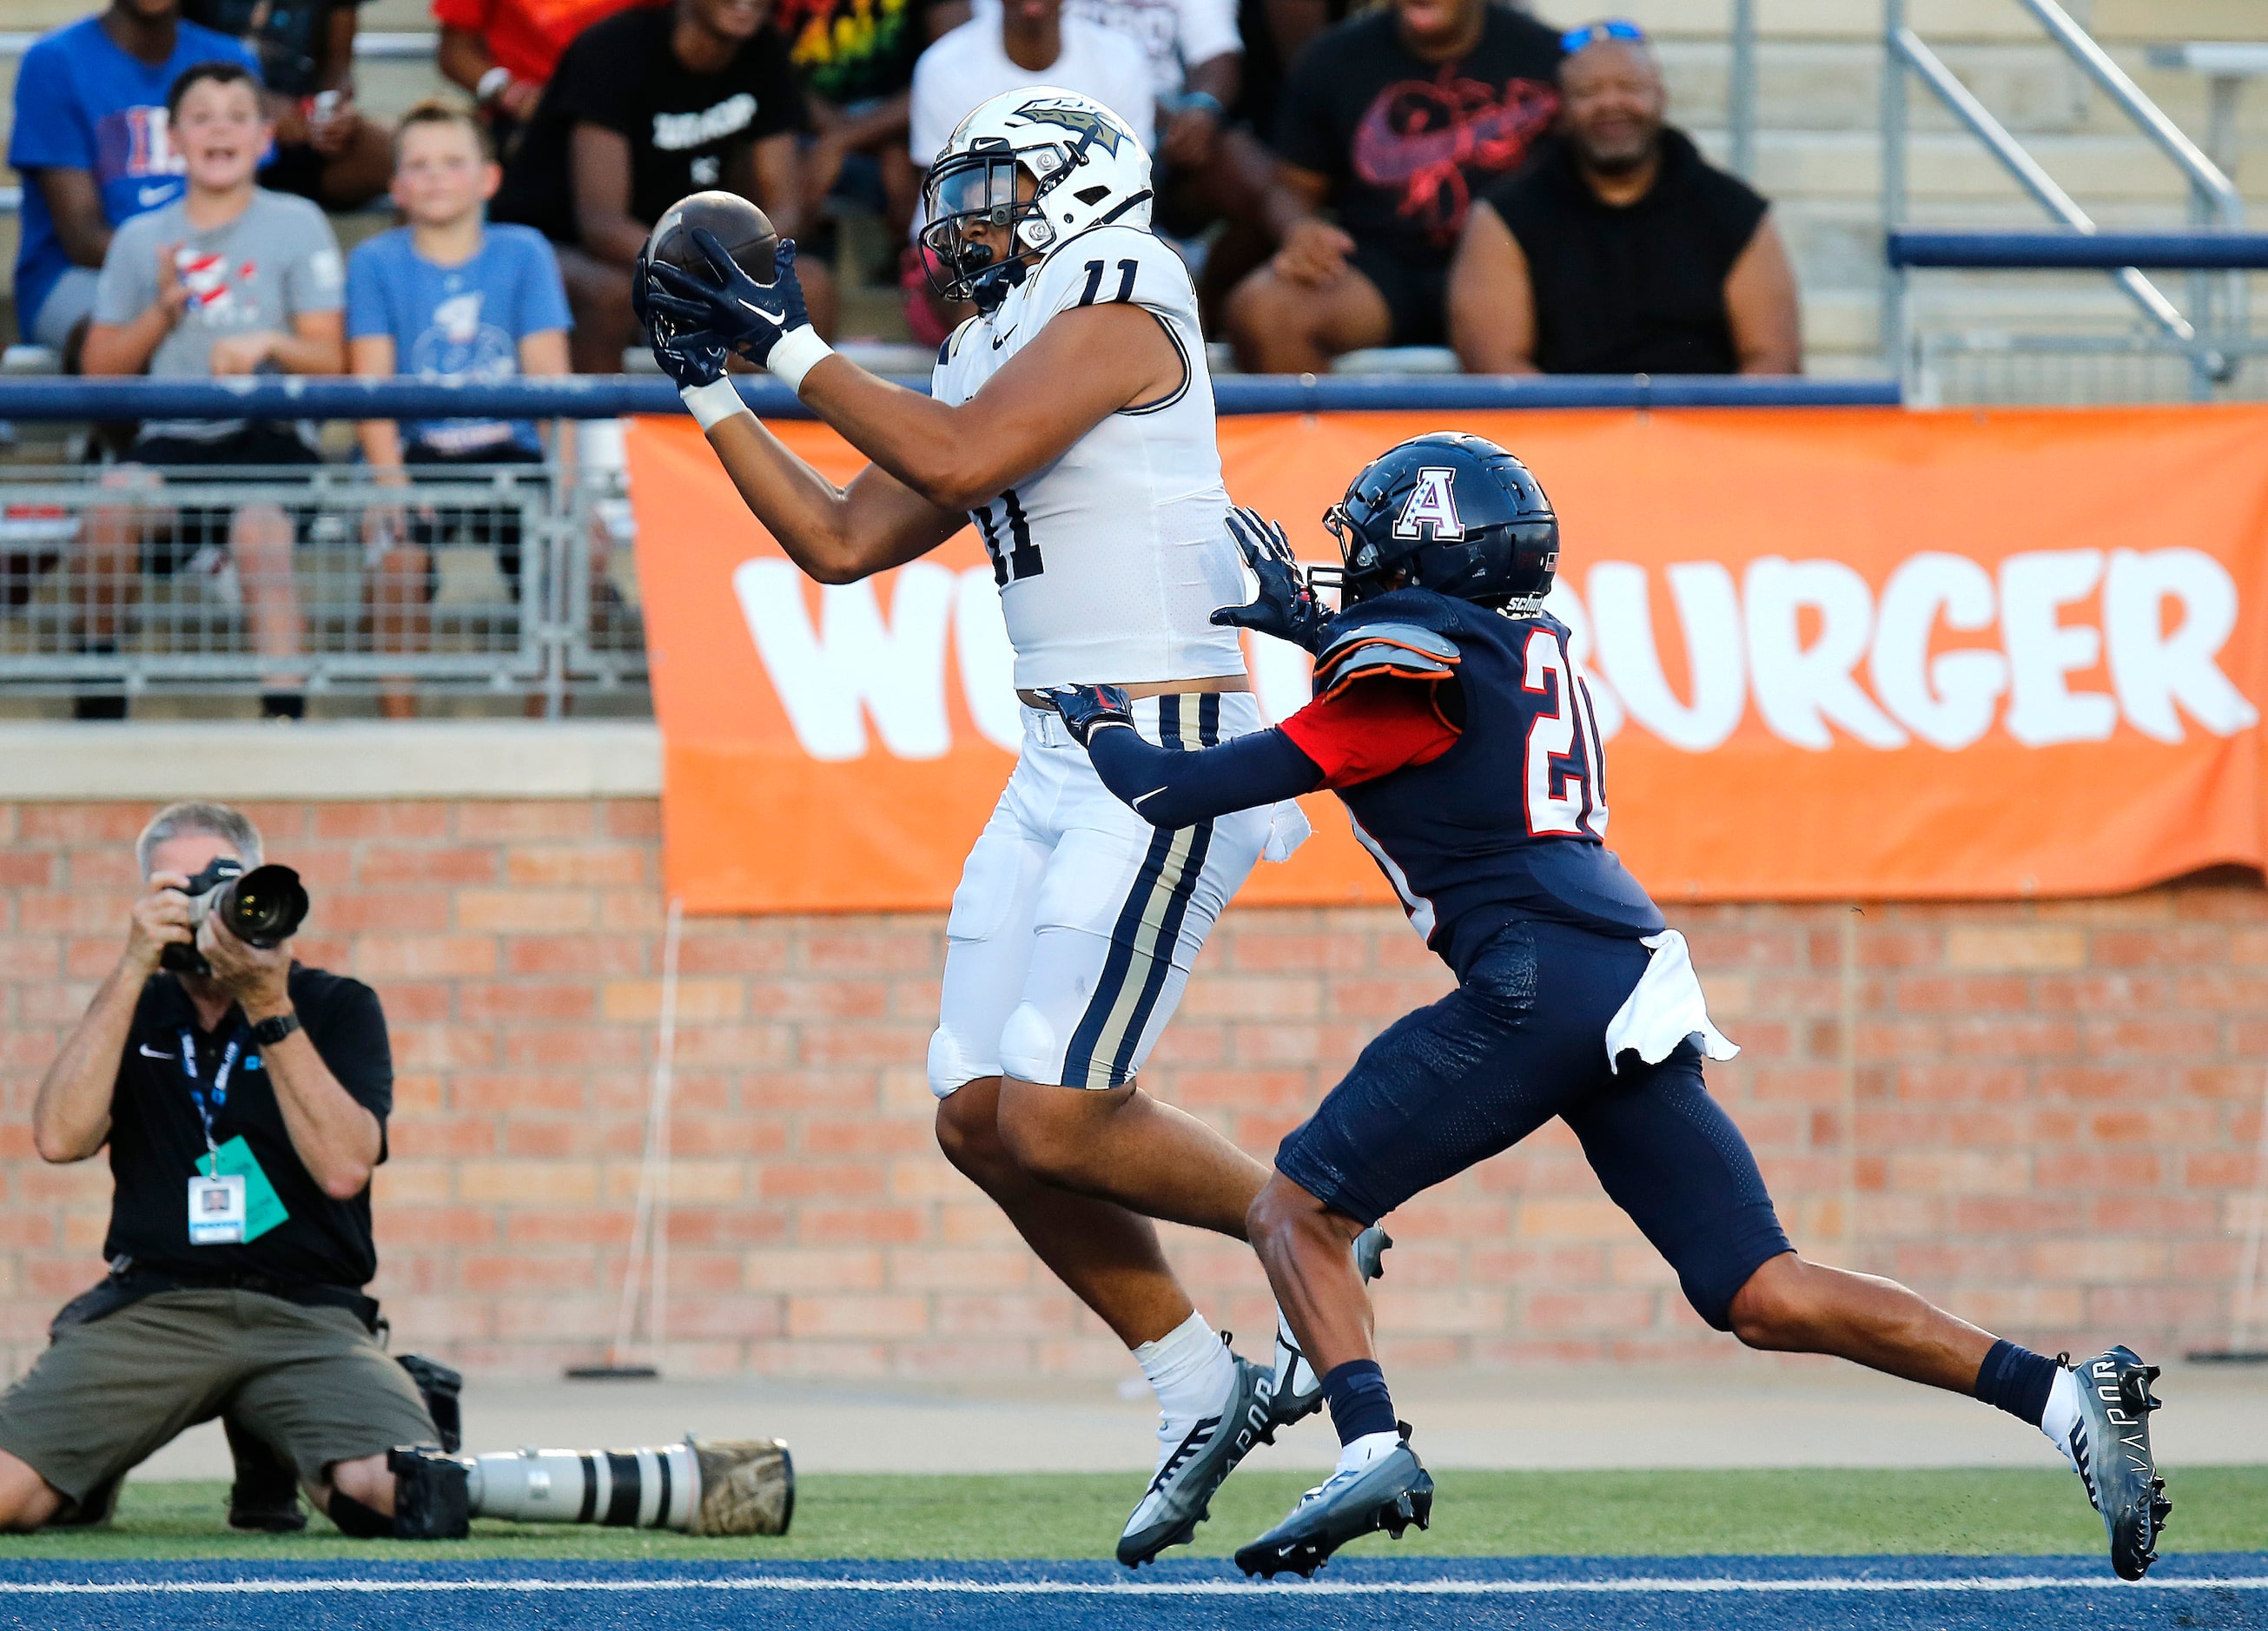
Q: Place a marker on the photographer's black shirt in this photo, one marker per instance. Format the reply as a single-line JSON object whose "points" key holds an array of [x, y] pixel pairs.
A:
{"points": [[156, 1138]]}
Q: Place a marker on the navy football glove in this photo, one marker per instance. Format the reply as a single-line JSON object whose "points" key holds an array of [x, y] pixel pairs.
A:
{"points": [[1087, 709], [690, 356], [744, 315], [1285, 607]]}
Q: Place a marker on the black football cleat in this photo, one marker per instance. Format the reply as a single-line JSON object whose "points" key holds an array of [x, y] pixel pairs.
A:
{"points": [[1180, 1497], [1391, 1494], [2110, 1447], [1298, 1391]]}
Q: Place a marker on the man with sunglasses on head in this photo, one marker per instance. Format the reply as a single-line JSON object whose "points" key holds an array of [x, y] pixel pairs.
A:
{"points": [[1620, 250], [1071, 420]]}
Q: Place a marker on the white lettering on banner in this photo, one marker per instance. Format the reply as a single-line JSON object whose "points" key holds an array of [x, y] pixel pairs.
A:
{"points": [[988, 662], [2151, 670], [854, 664], [1799, 688], [1948, 700], [2164, 617], [2044, 651], [1709, 616]]}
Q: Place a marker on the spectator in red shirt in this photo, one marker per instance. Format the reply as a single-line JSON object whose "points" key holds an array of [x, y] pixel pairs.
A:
{"points": [[502, 51]]}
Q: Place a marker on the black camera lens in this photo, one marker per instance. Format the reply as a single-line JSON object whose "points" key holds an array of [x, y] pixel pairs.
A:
{"points": [[264, 907]]}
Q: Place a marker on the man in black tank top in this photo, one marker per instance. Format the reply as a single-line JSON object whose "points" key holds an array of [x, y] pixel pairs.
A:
{"points": [[1619, 249]]}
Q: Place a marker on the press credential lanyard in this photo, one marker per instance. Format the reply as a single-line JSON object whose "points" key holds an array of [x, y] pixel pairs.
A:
{"points": [[219, 1087]]}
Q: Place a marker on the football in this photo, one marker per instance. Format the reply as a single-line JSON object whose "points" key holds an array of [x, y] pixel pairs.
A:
{"points": [[745, 232]]}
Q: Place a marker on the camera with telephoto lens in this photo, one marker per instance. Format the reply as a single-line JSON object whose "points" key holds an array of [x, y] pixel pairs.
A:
{"points": [[264, 907]]}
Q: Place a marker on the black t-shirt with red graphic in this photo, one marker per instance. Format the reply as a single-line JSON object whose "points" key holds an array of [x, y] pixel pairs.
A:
{"points": [[1406, 142]]}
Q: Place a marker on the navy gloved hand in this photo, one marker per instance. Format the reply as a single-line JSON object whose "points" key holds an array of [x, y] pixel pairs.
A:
{"points": [[746, 316], [691, 356], [1285, 607], [1087, 709]]}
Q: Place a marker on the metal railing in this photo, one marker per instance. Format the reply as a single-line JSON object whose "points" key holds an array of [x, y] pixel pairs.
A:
{"points": [[113, 578], [2213, 335], [504, 581]]}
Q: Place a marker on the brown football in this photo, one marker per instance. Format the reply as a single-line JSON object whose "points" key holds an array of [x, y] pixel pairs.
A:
{"points": [[745, 232]]}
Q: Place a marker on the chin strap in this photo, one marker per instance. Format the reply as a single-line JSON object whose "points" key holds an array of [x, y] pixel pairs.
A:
{"points": [[990, 286]]}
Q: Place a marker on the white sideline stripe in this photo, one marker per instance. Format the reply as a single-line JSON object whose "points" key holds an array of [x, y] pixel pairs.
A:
{"points": [[1640, 1585]]}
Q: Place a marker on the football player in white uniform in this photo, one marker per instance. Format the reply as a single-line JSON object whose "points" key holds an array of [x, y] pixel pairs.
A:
{"points": [[1071, 420]]}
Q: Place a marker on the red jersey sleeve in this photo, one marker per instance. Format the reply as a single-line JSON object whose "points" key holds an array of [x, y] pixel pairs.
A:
{"points": [[1372, 728]]}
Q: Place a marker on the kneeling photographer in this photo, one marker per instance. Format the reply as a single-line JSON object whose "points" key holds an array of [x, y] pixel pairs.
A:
{"points": [[244, 1100]]}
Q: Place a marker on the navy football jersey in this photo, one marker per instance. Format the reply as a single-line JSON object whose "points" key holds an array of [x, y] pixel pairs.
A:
{"points": [[1510, 822]]}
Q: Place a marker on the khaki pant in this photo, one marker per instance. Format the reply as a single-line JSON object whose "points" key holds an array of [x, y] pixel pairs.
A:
{"points": [[309, 1381]]}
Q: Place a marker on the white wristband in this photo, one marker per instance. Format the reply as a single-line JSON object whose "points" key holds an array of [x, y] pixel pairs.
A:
{"points": [[713, 404], [492, 84], [795, 354]]}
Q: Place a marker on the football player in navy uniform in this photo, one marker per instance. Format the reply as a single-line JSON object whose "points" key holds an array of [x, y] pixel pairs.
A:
{"points": [[1451, 717]]}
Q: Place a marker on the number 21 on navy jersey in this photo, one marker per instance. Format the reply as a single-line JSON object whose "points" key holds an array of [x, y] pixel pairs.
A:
{"points": [[1564, 786]]}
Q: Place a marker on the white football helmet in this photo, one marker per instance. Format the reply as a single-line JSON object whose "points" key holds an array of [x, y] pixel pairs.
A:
{"points": [[1086, 167]]}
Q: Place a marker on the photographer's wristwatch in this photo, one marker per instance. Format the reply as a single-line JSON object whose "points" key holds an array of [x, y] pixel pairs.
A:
{"points": [[274, 1029]]}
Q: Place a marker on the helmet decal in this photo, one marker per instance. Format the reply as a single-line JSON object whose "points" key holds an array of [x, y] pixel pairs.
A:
{"points": [[1102, 132], [1434, 499]]}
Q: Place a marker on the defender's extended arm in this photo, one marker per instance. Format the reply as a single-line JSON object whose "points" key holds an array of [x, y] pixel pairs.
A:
{"points": [[1171, 787]]}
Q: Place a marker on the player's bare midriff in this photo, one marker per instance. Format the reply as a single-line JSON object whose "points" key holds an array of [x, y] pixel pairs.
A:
{"points": [[1155, 687]]}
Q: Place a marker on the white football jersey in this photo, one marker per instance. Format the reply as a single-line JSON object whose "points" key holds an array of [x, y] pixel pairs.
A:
{"points": [[1111, 560]]}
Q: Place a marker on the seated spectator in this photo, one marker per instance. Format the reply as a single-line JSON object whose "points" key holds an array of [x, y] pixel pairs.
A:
{"points": [[1026, 42], [857, 61], [646, 108], [446, 297], [325, 149], [1393, 118], [1197, 68], [260, 1089], [89, 142], [503, 52], [228, 279], [1620, 250]]}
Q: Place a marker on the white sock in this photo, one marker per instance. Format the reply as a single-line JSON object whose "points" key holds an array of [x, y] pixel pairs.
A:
{"points": [[1189, 1368], [2062, 1413], [1370, 1447]]}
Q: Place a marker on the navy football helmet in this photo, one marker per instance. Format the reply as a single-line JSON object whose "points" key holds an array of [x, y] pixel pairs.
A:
{"points": [[1449, 512]]}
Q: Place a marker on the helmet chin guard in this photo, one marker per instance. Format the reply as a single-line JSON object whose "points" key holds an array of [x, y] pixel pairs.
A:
{"points": [[1081, 162]]}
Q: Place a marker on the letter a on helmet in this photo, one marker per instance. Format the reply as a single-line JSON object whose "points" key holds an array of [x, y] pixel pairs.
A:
{"points": [[1433, 500]]}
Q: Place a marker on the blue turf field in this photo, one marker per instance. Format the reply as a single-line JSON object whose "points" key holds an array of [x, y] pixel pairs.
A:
{"points": [[2196, 1592]]}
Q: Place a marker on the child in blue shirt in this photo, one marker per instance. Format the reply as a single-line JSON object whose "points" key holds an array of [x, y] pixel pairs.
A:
{"points": [[447, 296]]}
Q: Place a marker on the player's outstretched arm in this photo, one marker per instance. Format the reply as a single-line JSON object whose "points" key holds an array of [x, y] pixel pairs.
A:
{"points": [[1084, 365], [1180, 787], [836, 534]]}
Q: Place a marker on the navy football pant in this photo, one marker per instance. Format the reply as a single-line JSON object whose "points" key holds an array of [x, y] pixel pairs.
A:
{"points": [[1522, 1039]]}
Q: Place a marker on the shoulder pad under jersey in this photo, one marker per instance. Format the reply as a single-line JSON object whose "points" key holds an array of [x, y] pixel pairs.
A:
{"points": [[1401, 651]]}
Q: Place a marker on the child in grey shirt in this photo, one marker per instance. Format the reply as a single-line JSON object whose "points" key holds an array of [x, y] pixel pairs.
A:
{"points": [[226, 280]]}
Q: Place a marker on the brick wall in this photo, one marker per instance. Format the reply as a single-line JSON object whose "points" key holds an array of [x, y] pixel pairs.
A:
{"points": [[2042, 1114]]}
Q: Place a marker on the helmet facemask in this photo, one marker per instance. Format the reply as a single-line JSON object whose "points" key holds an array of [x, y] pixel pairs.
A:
{"points": [[983, 187]]}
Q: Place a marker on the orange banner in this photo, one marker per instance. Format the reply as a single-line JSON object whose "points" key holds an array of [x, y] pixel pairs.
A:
{"points": [[1837, 654]]}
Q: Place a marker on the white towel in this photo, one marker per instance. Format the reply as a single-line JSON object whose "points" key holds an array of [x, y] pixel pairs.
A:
{"points": [[1287, 829], [1667, 1008]]}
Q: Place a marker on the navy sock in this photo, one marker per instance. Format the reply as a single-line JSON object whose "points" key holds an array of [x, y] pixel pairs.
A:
{"points": [[1361, 1405], [2017, 1380]]}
